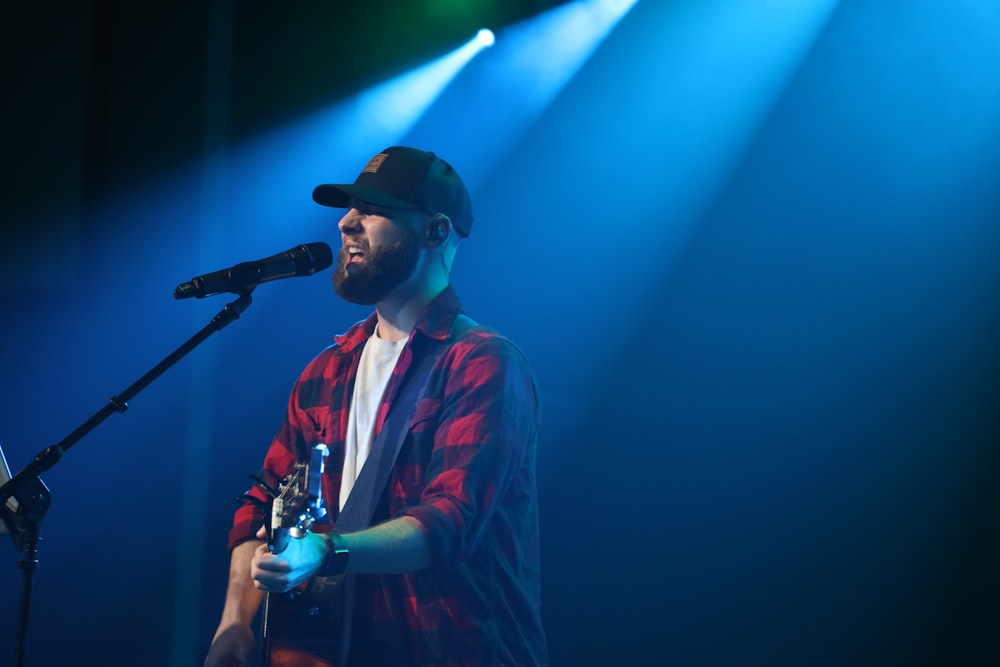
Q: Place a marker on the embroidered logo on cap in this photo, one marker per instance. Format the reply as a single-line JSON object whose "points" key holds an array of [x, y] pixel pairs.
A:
{"points": [[374, 164]]}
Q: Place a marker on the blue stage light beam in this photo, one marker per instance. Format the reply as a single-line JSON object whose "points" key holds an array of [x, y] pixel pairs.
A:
{"points": [[634, 125], [272, 176], [392, 108], [669, 126], [496, 99]]}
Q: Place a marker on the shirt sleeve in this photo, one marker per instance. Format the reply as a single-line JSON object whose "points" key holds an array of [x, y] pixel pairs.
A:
{"points": [[487, 429]]}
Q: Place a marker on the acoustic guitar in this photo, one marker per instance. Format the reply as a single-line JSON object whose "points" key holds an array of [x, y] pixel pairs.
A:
{"points": [[300, 628]]}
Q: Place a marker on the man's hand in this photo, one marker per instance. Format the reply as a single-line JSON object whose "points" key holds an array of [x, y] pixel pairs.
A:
{"points": [[279, 573]]}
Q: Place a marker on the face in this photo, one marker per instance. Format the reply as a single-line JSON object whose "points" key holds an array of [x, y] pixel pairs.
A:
{"points": [[380, 250]]}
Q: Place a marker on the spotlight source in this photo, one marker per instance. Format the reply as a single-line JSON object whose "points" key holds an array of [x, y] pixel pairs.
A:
{"points": [[485, 37]]}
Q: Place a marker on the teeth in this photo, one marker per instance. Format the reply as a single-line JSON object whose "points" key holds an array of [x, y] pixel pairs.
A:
{"points": [[354, 251]]}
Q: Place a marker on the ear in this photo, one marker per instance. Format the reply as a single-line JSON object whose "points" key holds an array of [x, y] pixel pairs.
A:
{"points": [[438, 229]]}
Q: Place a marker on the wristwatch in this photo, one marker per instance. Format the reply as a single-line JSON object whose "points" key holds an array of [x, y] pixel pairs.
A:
{"points": [[335, 561]]}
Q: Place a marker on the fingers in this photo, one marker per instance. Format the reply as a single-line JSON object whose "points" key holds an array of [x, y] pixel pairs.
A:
{"points": [[284, 571], [273, 563], [270, 572], [271, 582]]}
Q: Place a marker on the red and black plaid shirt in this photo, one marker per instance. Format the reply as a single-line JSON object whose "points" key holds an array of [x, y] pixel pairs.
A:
{"points": [[466, 471]]}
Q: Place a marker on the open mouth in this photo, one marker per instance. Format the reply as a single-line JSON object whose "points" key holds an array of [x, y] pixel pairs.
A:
{"points": [[354, 254]]}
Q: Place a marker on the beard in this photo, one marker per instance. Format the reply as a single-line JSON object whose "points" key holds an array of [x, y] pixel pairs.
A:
{"points": [[383, 270]]}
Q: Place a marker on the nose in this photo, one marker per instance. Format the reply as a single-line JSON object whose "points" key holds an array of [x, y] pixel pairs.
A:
{"points": [[350, 223]]}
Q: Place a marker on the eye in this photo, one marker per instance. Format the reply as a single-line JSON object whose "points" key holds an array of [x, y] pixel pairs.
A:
{"points": [[370, 209]]}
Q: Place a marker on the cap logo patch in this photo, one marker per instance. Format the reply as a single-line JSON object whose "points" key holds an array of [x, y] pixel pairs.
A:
{"points": [[374, 164]]}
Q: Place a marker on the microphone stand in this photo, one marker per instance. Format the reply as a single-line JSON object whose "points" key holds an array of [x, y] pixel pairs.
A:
{"points": [[33, 497]]}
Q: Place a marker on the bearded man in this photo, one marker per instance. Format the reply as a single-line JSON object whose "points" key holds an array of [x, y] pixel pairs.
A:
{"points": [[443, 569]]}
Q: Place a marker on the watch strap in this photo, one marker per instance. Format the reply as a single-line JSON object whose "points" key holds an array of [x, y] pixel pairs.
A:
{"points": [[335, 561]]}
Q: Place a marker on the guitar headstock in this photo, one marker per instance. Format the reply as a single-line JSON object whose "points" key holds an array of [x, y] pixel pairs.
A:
{"points": [[299, 501]]}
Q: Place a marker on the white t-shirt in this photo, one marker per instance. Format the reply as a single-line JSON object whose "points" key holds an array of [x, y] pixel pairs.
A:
{"points": [[378, 358]]}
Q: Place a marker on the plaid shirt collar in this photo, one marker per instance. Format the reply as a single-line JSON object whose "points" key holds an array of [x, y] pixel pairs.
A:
{"points": [[435, 321]]}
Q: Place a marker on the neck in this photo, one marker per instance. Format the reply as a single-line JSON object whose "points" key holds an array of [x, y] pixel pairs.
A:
{"points": [[397, 313]]}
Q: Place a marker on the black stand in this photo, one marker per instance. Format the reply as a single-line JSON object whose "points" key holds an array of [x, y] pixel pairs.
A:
{"points": [[33, 497]]}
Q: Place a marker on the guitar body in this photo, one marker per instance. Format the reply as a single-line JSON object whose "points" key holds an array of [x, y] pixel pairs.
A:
{"points": [[302, 628], [284, 657]]}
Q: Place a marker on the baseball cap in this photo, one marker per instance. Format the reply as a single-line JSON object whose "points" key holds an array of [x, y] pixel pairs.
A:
{"points": [[404, 177]]}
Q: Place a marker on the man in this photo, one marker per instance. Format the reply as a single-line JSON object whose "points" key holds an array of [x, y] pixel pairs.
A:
{"points": [[447, 574]]}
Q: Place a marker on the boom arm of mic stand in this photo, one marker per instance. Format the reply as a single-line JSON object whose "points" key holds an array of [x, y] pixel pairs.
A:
{"points": [[33, 497]]}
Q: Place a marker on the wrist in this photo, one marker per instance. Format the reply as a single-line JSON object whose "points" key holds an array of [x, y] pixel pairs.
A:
{"points": [[335, 561]]}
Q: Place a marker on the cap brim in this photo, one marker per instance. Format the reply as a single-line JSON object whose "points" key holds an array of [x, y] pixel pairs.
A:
{"points": [[339, 196]]}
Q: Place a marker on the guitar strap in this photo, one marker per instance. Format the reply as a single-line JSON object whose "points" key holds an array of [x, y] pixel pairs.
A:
{"points": [[364, 497]]}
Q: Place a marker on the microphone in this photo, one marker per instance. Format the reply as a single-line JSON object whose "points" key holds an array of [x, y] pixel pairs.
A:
{"points": [[302, 260]]}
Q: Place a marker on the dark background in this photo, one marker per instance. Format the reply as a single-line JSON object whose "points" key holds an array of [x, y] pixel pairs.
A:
{"points": [[763, 313]]}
